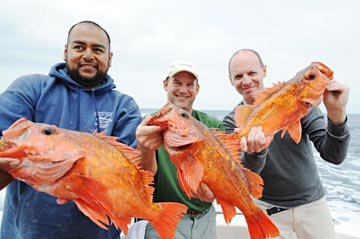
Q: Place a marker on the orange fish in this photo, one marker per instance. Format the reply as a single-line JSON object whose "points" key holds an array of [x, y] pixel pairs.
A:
{"points": [[210, 156], [101, 175], [282, 106]]}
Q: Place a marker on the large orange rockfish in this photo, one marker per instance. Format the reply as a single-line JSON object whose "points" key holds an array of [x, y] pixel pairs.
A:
{"points": [[98, 173], [282, 106], [210, 156]]}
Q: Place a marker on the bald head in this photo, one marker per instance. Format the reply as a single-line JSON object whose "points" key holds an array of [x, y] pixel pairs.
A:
{"points": [[256, 54]]}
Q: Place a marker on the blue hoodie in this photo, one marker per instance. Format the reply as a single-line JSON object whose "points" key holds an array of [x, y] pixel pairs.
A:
{"points": [[57, 99]]}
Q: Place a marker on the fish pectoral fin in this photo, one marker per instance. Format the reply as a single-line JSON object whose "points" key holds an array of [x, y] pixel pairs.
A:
{"points": [[294, 131], [190, 174], [93, 200], [229, 210], [48, 172], [99, 219]]}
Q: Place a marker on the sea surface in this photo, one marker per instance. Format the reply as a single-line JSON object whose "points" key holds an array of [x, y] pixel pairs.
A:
{"points": [[342, 182]]}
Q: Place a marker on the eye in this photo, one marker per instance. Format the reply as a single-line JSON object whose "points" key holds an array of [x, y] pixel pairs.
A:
{"points": [[184, 114], [47, 131], [311, 75]]}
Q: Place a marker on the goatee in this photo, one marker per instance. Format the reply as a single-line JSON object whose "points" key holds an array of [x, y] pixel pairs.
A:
{"points": [[86, 82]]}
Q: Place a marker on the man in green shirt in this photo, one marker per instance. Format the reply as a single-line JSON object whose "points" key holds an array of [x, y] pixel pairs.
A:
{"points": [[182, 87]]}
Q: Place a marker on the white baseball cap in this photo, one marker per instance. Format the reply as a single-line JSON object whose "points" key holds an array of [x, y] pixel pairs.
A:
{"points": [[179, 66]]}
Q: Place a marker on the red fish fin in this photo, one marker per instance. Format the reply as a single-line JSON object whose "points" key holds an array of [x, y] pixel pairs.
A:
{"points": [[242, 115], [148, 179], [170, 215], [130, 153], [94, 200], [255, 183], [123, 223], [260, 226], [51, 170], [230, 142], [294, 131], [265, 94], [229, 211], [99, 219], [190, 174]]}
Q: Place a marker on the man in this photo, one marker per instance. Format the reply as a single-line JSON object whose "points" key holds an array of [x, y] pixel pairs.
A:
{"points": [[76, 95], [182, 87], [293, 193]]}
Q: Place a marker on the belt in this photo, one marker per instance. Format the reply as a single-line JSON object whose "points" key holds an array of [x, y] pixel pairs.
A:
{"points": [[193, 213], [275, 210]]}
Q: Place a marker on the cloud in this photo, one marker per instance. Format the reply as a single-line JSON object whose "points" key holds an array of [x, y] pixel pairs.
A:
{"points": [[148, 35]]}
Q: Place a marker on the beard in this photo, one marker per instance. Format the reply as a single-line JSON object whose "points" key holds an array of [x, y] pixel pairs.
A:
{"points": [[86, 82]]}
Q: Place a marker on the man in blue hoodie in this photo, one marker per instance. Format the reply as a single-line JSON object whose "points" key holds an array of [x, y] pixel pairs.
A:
{"points": [[76, 95]]}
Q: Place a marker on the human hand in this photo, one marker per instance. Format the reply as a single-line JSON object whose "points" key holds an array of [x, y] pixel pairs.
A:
{"points": [[7, 163], [335, 99], [255, 141], [148, 137], [204, 193]]}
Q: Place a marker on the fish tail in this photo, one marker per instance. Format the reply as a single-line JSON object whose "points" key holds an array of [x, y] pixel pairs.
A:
{"points": [[260, 225], [170, 215]]}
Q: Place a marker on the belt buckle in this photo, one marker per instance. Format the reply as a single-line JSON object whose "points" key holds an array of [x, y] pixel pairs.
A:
{"points": [[192, 213], [275, 210]]}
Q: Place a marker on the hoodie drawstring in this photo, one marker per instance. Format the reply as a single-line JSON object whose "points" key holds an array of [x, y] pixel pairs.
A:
{"points": [[96, 112]]}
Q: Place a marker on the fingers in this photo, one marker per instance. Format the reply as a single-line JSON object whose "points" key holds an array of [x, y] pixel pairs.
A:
{"points": [[149, 136], [204, 193], [9, 163], [256, 140]]}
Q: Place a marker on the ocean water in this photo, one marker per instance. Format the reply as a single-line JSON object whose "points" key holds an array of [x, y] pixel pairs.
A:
{"points": [[342, 182]]}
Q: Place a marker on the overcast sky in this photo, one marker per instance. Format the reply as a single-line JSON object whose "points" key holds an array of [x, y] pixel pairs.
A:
{"points": [[148, 35]]}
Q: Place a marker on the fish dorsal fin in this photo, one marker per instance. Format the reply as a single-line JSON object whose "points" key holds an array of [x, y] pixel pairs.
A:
{"points": [[255, 182], [294, 130], [134, 156], [148, 179], [242, 115], [130, 153], [230, 142], [265, 94]]}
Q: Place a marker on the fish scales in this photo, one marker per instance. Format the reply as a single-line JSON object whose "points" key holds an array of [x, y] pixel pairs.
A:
{"points": [[101, 175]]}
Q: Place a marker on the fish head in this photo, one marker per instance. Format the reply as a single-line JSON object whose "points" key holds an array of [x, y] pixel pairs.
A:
{"points": [[42, 149], [180, 127], [312, 82]]}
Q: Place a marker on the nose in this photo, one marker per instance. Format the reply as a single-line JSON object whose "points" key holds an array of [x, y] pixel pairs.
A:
{"points": [[246, 80], [88, 54]]}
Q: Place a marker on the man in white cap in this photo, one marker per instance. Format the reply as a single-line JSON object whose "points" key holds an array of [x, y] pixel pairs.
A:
{"points": [[182, 87]]}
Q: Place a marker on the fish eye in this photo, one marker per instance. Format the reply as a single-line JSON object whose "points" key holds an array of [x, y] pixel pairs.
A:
{"points": [[311, 75], [48, 131], [184, 114]]}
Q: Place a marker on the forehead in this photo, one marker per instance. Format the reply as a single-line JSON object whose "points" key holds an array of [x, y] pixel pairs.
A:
{"points": [[88, 33], [184, 76], [245, 61]]}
